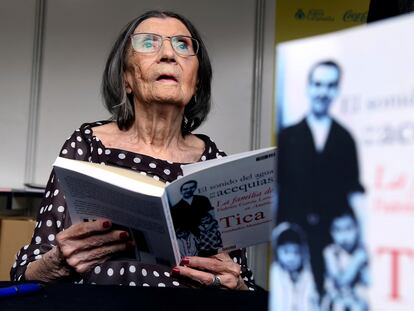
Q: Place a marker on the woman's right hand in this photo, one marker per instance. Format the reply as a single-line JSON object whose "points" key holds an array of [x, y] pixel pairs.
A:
{"points": [[79, 248]]}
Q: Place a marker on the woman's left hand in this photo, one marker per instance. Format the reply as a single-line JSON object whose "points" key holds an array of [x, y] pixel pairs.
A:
{"points": [[205, 271]]}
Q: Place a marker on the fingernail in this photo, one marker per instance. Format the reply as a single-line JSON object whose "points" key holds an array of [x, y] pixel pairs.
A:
{"points": [[185, 261], [123, 235], [106, 224], [175, 271]]}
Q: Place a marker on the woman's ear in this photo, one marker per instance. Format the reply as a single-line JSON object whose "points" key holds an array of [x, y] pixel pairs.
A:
{"points": [[128, 88], [196, 88]]}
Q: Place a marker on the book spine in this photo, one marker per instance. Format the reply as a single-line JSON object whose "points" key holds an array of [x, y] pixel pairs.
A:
{"points": [[171, 230]]}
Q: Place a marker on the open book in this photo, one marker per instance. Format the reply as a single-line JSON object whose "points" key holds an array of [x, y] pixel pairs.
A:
{"points": [[218, 205]]}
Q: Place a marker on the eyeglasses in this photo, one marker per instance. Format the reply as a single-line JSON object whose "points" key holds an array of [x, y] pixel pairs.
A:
{"points": [[151, 43]]}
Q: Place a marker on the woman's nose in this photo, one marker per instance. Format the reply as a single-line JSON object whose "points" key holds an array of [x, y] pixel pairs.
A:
{"points": [[167, 52]]}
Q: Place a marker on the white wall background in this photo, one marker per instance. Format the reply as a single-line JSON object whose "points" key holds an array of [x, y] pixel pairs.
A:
{"points": [[77, 37], [16, 45]]}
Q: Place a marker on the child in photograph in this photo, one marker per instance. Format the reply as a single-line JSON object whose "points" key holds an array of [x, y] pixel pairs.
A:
{"points": [[292, 285], [187, 242], [346, 261]]}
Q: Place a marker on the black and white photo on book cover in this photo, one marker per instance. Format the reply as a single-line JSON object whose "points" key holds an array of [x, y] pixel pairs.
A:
{"points": [[345, 138], [195, 224]]}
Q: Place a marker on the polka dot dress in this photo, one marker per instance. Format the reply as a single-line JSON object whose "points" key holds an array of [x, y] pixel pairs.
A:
{"points": [[53, 217]]}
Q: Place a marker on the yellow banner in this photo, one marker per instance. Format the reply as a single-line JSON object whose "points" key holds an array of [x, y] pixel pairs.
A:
{"points": [[302, 18]]}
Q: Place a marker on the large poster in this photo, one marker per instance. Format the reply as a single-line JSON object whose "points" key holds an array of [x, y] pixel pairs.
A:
{"points": [[344, 238]]}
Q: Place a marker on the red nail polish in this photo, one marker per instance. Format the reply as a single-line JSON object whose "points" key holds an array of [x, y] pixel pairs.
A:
{"points": [[175, 271], [106, 224], [185, 261], [123, 235]]}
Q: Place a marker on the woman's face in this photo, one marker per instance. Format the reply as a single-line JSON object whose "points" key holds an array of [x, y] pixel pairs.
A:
{"points": [[162, 76]]}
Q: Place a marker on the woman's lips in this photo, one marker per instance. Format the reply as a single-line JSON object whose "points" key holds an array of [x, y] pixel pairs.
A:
{"points": [[166, 78]]}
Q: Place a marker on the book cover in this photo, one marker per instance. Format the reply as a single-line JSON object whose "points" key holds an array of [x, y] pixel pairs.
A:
{"points": [[345, 134]]}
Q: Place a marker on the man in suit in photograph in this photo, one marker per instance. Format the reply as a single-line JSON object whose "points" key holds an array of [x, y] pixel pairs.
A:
{"points": [[317, 165]]}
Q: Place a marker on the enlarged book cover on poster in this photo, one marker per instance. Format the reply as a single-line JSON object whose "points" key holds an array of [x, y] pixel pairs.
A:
{"points": [[344, 230], [217, 205]]}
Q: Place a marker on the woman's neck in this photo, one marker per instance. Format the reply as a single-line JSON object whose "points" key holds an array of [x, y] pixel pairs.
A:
{"points": [[155, 132], [157, 126]]}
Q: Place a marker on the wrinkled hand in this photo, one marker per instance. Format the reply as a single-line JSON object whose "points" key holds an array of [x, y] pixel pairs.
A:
{"points": [[84, 245], [203, 270], [79, 248]]}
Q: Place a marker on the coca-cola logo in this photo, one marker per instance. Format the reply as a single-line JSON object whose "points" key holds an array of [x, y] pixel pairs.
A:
{"points": [[355, 17]]}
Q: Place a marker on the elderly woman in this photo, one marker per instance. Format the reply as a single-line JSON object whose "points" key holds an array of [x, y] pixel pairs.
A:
{"points": [[156, 85]]}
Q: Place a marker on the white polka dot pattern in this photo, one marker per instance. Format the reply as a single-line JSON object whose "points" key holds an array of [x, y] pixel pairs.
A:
{"points": [[97, 270], [53, 217], [137, 160]]}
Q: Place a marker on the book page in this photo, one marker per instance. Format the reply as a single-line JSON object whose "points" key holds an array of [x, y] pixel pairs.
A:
{"points": [[117, 176], [89, 198]]}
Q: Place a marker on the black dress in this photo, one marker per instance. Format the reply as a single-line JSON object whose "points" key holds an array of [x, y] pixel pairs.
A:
{"points": [[53, 217]]}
